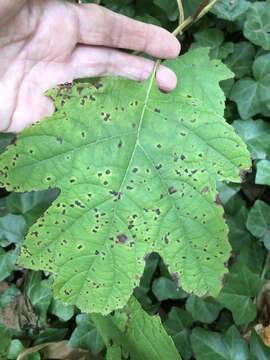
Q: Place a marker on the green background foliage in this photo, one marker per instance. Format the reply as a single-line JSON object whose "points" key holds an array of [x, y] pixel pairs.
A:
{"points": [[237, 33]]}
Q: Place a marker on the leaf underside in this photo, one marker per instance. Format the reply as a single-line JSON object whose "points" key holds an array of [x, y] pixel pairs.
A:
{"points": [[137, 170]]}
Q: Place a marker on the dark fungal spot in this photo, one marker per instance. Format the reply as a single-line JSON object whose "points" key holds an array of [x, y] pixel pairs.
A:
{"points": [[78, 203], [205, 189], [182, 157], [218, 200], [175, 278], [157, 110], [172, 190], [134, 170], [121, 238], [158, 166], [117, 194], [119, 145], [98, 85]]}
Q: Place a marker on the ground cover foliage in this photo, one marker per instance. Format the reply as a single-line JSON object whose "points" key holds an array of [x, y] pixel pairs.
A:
{"points": [[231, 320]]}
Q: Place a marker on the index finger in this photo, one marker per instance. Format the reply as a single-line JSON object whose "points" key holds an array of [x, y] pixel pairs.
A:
{"points": [[100, 26]]}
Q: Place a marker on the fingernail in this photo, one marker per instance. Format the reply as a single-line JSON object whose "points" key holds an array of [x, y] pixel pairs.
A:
{"points": [[166, 79]]}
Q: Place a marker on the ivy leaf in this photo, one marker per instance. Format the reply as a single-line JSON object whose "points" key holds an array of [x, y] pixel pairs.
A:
{"points": [[8, 295], [258, 350], [256, 135], [257, 24], [86, 336], [5, 139], [213, 38], [7, 262], [209, 345], [12, 229], [252, 96], [240, 286], [258, 222], [124, 328], [230, 10], [169, 7], [62, 311], [137, 170], [5, 340], [40, 294], [240, 61], [15, 349], [113, 353], [165, 289], [263, 172], [204, 310], [177, 325]]}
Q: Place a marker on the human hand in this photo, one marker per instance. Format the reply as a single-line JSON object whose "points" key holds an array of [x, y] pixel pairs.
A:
{"points": [[48, 42]]}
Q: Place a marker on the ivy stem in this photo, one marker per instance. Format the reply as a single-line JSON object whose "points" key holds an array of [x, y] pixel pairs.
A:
{"points": [[202, 10], [181, 11], [195, 17], [265, 265]]}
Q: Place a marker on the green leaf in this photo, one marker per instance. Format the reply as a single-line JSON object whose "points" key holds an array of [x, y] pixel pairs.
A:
{"points": [[178, 319], [128, 186], [253, 96], [258, 350], [257, 24], [5, 340], [227, 191], [15, 348], [170, 8], [192, 68], [123, 7], [240, 61], [40, 294], [177, 325], [209, 345], [204, 310], [62, 311], [32, 204], [214, 39], [86, 336], [240, 286], [138, 333], [263, 172], [7, 262], [8, 295], [165, 289], [5, 140], [256, 134], [258, 222], [149, 270], [50, 335], [12, 229], [230, 10], [113, 353]]}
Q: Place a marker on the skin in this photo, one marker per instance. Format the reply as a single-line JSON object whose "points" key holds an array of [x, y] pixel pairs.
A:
{"points": [[48, 42]]}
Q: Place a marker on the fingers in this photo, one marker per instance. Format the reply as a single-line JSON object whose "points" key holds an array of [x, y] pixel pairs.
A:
{"points": [[95, 61], [86, 61], [100, 26]]}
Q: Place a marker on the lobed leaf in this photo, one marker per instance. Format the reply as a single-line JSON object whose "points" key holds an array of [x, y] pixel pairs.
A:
{"points": [[252, 96], [257, 24], [137, 170]]}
